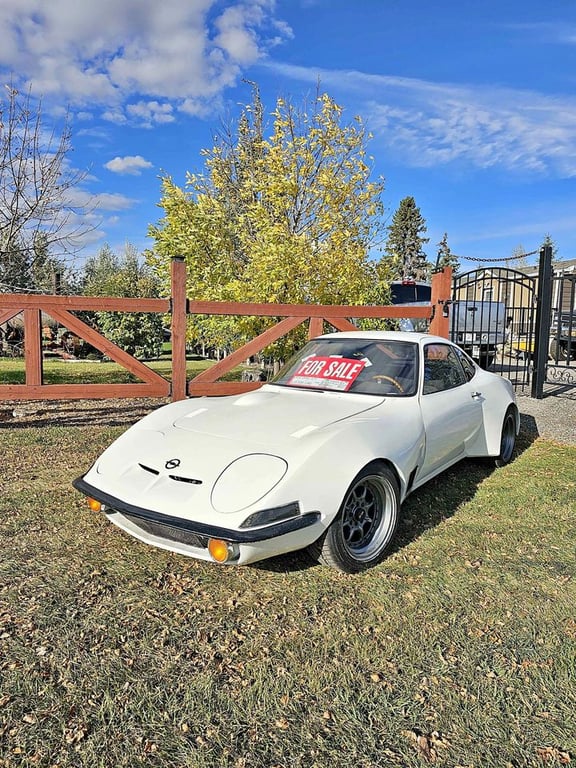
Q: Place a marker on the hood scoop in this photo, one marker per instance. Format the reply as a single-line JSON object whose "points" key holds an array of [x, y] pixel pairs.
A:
{"points": [[176, 478]]}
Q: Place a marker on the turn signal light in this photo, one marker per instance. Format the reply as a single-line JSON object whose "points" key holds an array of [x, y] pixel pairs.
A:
{"points": [[94, 505], [220, 551]]}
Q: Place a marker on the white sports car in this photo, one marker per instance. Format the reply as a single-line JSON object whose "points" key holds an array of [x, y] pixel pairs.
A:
{"points": [[321, 457]]}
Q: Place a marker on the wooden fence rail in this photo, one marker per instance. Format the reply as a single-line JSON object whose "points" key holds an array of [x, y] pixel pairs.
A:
{"points": [[61, 309]]}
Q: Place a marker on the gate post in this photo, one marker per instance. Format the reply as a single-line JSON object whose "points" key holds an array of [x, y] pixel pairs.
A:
{"points": [[440, 300], [542, 330], [179, 309]]}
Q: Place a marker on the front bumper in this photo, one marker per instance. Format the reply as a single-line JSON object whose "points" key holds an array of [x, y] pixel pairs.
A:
{"points": [[190, 532]]}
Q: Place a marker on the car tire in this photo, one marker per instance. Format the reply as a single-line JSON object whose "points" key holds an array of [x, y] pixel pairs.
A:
{"points": [[558, 351], [366, 523], [507, 438]]}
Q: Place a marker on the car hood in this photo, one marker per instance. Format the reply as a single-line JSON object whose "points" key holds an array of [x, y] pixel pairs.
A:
{"points": [[173, 457], [270, 416]]}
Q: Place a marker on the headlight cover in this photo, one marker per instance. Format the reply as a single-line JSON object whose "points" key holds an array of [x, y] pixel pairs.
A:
{"points": [[271, 516], [246, 480]]}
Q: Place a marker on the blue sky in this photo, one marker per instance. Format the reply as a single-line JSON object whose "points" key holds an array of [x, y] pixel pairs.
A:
{"points": [[472, 105]]}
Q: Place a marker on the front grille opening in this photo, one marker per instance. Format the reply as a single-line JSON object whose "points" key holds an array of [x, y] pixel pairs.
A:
{"points": [[170, 532], [180, 479]]}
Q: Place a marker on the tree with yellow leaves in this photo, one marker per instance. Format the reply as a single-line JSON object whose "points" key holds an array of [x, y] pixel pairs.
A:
{"points": [[291, 217]]}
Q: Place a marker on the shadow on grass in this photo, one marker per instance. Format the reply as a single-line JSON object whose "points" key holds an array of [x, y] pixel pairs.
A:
{"points": [[427, 507], [78, 413], [441, 497]]}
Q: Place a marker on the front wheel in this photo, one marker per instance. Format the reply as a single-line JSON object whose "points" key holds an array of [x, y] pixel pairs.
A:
{"points": [[507, 439], [366, 522]]}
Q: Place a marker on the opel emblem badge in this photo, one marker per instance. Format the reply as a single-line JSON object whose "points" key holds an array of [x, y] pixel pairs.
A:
{"points": [[172, 463]]}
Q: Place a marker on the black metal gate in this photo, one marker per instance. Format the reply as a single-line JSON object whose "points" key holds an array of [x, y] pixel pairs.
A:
{"points": [[555, 355], [493, 319]]}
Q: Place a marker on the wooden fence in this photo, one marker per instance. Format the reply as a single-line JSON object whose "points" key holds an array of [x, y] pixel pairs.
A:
{"points": [[62, 308]]}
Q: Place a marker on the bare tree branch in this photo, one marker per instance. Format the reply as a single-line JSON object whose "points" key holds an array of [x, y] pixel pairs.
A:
{"points": [[37, 185]]}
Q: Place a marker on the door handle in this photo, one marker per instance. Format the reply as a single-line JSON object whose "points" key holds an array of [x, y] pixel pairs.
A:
{"points": [[476, 395]]}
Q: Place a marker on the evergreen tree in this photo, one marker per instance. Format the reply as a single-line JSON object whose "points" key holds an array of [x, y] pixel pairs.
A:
{"points": [[34, 270], [107, 274], [15, 270], [405, 240], [49, 274], [548, 241], [445, 257], [519, 258]]}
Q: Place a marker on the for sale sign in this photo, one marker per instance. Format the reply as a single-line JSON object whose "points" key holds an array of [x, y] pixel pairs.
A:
{"points": [[337, 373]]}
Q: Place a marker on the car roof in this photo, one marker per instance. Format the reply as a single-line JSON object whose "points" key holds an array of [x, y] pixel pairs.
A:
{"points": [[406, 336]]}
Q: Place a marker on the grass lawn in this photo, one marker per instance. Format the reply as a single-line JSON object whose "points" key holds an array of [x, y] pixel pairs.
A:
{"points": [[458, 651], [58, 371]]}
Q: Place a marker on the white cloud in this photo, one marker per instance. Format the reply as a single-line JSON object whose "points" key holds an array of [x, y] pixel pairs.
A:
{"points": [[112, 201], [198, 108], [116, 116], [235, 38], [131, 164], [94, 203], [547, 31], [110, 52], [430, 124], [151, 112], [95, 133]]}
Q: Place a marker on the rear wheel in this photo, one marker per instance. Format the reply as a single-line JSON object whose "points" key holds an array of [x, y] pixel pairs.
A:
{"points": [[366, 522], [507, 439]]}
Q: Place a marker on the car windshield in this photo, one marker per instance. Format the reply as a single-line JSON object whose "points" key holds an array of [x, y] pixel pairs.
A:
{"points": [[367, 366]]}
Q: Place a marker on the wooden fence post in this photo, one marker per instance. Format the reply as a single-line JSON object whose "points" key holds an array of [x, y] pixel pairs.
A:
{"points": [[440, 300], [33, 347], [315, 327], [179, 308]]}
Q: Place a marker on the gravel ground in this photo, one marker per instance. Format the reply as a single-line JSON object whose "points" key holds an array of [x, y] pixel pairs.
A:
{"points": [[553, 417]]}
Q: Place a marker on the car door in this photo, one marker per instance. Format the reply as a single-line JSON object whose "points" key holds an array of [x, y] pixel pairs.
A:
{"points": [[451, 408]]}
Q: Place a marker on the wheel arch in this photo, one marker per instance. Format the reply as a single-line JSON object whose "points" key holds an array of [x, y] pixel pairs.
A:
{"points": [[516, 412], [341, 459], [403, 483], [493, 437], [361, 533]]}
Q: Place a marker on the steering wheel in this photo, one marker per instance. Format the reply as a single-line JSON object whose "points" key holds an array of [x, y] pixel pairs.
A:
{"points": [[379, 377]]}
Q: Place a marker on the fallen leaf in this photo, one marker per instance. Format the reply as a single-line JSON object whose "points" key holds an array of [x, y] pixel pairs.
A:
{"points": [[426, 743], [553, 755]]}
